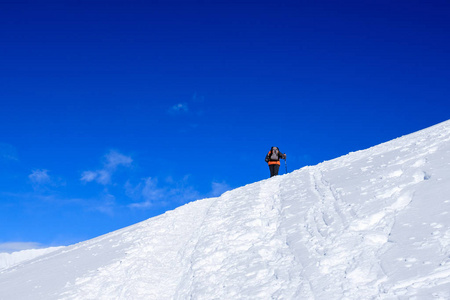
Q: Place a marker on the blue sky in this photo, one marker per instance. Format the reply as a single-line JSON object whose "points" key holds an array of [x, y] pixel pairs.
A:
{"points": [[116, 111]]}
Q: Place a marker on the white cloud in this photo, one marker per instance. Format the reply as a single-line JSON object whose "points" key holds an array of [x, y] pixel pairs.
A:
{"points": [[104, 176], [141, 205], [115, 159], [112, 161], [101, 176], [18, 246], [218, 188], [41, 180], [88, 176], [148, 193], [40, 177], [179, 108]]}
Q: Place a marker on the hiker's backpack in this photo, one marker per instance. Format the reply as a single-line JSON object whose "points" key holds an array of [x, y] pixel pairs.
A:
{"points": [[274, 154]]}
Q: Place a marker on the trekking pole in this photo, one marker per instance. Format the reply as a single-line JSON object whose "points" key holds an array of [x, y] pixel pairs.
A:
{"points": [[285, 164]]}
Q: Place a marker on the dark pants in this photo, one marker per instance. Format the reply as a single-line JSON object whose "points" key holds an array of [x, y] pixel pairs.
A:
{"points": [[274, 170]]}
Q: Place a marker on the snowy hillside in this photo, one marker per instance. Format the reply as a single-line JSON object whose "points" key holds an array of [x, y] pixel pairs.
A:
{"points": [[374, 224], [8, 260]]}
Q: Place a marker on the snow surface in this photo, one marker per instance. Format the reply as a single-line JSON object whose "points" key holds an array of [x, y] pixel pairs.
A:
{"points": [[374, 224], [8, 260]]}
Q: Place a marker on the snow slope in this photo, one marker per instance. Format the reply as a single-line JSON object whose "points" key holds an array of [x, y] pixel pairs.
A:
{"points": [[373, 224], [8, 260]]}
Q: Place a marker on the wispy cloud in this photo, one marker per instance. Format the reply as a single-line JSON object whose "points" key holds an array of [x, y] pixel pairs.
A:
{"points": [[100, 176], [39, 177], [106, 205], [18, 246], [146, 193], [192, 107], [106, 201], [112, 161], [150, 192], [177, 109], [218, 188], [42, 181], [8, 153]]}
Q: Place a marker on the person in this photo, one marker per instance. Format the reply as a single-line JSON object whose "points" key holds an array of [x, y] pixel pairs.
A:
{"points": [[273, 159]]}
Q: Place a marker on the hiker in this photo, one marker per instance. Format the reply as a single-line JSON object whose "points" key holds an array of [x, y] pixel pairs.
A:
{"points": [[273, 159]]}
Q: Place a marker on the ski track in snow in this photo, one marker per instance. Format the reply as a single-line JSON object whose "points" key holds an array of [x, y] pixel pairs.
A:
{"points": [[241, 247], [373, 224]]}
